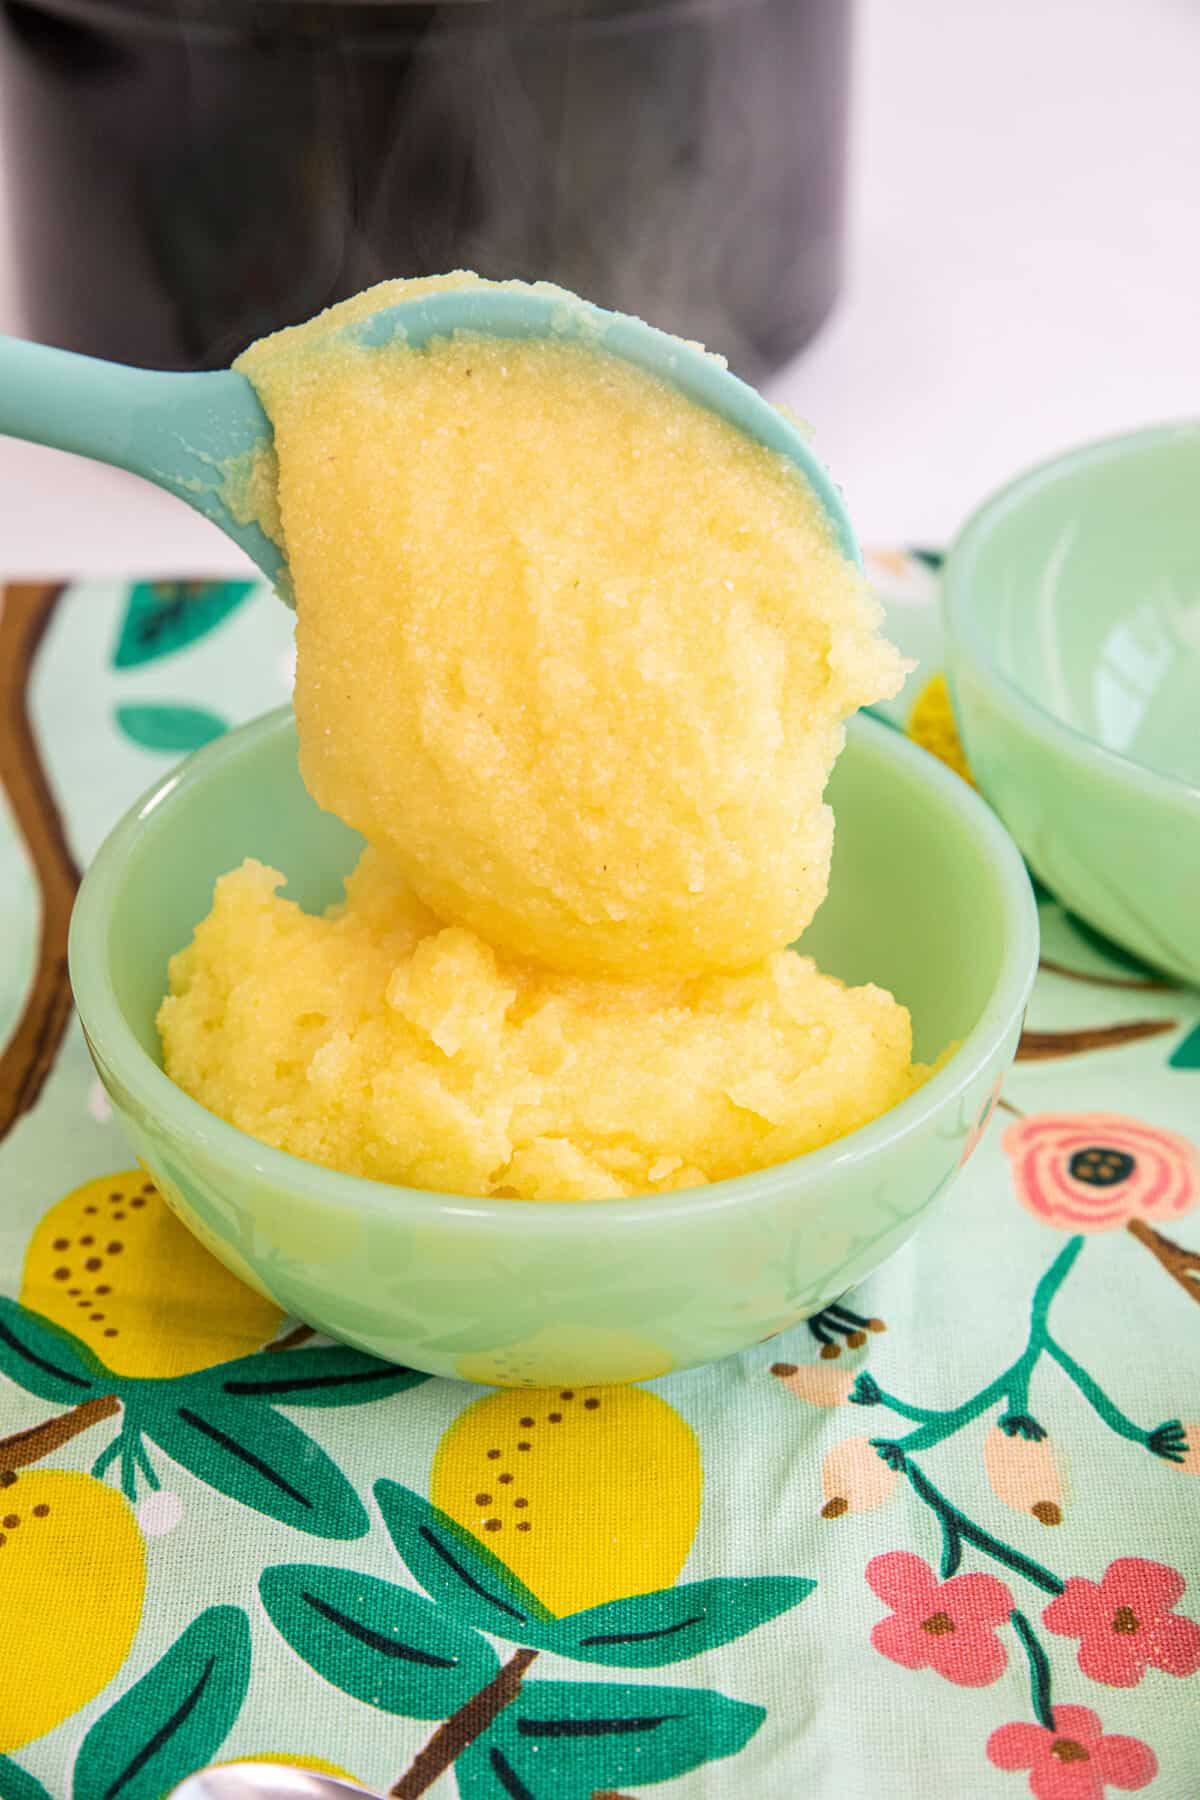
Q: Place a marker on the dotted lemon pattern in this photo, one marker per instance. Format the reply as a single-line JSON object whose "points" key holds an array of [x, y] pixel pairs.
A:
{"points": [[546, 1481], [931, 724], [139, 1645], [625, 1356], [100, 1264], [72, 1579]]}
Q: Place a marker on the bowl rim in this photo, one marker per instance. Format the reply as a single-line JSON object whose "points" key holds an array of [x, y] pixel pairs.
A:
{"points": [[961, 613], [112, 1040]]}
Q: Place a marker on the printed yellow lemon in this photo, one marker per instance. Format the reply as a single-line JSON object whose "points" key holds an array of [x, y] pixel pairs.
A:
{"points": [[72, 1575], [623, 1356], [546, 1480], [932, 725], [106, 1257]]}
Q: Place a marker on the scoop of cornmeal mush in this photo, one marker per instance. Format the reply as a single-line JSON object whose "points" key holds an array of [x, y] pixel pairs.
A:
{"points": [[575, 656]]}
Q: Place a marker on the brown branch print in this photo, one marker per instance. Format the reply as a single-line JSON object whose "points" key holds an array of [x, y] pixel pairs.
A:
{"points": [[1181, 1265], [28, 1057], [299, 1334], [36, 1441], [21, 1448], [1041, 1046], [1143, 984], [462, 1728]]}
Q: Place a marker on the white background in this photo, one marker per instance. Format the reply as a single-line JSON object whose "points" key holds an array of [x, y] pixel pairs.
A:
{"points": [[1024, 273]]}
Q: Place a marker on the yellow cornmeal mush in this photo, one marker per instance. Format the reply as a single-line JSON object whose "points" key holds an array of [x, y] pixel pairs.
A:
{"points": [[572, 651], [575, 656], [377, 1041]]}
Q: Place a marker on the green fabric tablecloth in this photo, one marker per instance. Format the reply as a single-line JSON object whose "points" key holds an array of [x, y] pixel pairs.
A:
{"points": [[940, 1542]]}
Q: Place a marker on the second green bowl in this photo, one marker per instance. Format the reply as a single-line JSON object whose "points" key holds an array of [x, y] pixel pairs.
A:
{"points": [[1072, 608]]}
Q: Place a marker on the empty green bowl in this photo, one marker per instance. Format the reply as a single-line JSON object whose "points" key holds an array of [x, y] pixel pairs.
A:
{"points": [[928, 897], [1072, 613]]}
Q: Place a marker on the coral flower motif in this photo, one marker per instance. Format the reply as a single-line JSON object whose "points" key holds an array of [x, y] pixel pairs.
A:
{"points": [[1075, 1761], [1021, 1469], [949, 1626], [1097, 1171], [820, 1383], [855, 1478], [1126, 1622]]}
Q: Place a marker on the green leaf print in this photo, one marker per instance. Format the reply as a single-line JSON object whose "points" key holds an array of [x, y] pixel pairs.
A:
{"points": [[1041, 892], [378, 1642], [1104, 946], [1186, 1054], [329, 1375], [15, 1784], [456, 1570], [174, 1719], [164, 616], [564, 1740], [170, 728], [47, 1361], [251, 1454], [647, 1631]]}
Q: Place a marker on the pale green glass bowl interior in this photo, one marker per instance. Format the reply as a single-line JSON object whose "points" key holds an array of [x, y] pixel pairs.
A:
{"points": [[1072, 603], [928, 897]]}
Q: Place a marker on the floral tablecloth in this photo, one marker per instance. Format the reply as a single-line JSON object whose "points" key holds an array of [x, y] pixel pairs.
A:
{"points": [[942, 1541]]}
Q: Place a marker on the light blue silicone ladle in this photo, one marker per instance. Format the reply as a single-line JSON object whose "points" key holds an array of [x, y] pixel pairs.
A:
{"points": [[187, 432]]}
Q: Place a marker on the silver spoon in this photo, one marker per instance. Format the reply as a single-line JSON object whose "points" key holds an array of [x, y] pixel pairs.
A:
{"points": [[265, 1781]]}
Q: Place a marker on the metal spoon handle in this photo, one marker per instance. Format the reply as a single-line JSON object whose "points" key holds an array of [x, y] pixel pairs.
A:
{"points": [[265, 1781]]}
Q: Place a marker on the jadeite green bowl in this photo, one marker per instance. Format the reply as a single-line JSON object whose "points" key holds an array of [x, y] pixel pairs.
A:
{"points": [[928, 897], [1072, 612]]}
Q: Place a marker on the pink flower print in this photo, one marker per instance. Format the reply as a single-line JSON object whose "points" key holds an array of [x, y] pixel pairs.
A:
{"points": [[1126, 1624], [820, 1383], [949, 1626], [1096, 1171], [1021, 1470], [855, 1478], [1075, 1761]]}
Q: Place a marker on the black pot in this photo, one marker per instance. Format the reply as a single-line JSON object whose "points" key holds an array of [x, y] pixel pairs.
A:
{"points": [[188, 174]]}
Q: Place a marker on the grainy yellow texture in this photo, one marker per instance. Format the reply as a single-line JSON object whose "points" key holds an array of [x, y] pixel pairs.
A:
{"points": [[575, 656], [375, 1041], [378, 1043], [574, 653]]}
